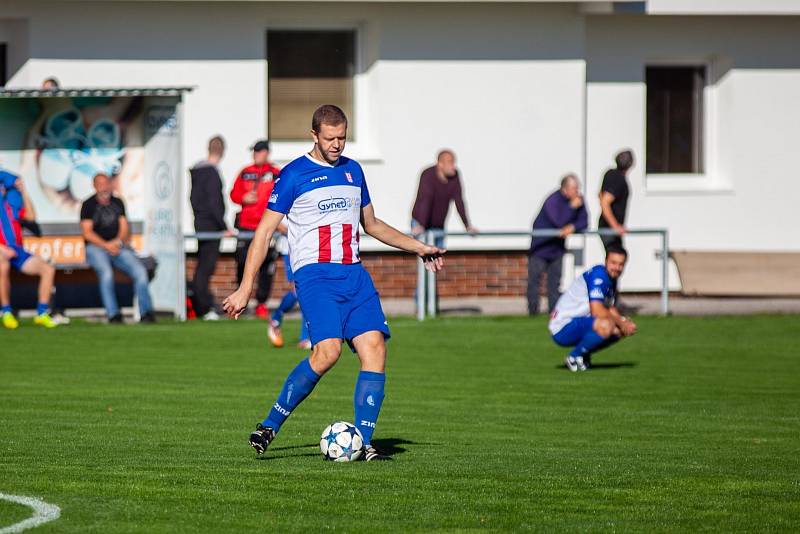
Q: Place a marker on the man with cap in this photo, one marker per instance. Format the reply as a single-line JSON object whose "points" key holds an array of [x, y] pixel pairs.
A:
{"points": [[251, 191]]}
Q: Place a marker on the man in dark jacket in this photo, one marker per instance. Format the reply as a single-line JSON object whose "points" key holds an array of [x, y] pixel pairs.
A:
{"points": [[208, 206], [563, 210]]}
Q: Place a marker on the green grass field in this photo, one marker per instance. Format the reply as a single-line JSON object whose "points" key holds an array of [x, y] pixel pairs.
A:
{"points": [[692, 425]]}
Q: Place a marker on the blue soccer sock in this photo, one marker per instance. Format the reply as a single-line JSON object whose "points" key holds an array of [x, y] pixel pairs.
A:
{"points": [[587, 344], [5, 309], [42, 307], [367, 400], [287, 303], [298, 385]]}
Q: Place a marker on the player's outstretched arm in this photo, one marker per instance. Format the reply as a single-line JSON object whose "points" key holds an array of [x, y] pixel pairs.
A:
{"points": [[236, 302], [432, 256]]}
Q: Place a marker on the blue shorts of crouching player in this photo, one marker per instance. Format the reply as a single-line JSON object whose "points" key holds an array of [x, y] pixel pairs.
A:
{"points": [[573, 332], [339, 301], [19, 260]]}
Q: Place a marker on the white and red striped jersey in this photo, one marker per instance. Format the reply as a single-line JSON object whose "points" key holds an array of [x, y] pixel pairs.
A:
{"points": [[322, 203]]}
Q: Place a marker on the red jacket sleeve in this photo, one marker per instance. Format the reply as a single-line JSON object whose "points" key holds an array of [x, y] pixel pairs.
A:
{"points": [[238, 191]]}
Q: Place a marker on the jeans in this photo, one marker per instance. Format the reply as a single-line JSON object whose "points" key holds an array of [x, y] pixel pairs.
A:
{"points": [[265, 273], [536, 267], [207, 254], [104, 264]]}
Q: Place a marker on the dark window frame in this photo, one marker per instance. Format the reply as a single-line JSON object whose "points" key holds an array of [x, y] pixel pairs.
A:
{"points": [[663, 153], [350, 70]]}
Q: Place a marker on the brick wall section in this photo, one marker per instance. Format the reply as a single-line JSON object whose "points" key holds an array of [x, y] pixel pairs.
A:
{"points": [[467, 274]]}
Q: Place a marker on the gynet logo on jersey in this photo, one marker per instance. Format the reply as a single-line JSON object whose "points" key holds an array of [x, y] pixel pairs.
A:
{"points": [[338, 204]]}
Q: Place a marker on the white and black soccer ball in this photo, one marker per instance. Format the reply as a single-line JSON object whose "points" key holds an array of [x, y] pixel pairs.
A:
{"points": [[341, 442]]}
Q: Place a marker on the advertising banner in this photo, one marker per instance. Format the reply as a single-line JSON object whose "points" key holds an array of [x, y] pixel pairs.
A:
{"points": [[56, 145]]}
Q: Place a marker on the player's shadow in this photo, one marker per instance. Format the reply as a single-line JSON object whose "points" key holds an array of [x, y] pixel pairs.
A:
{"points": [[604, 366], [393, 446], [281, 454]]}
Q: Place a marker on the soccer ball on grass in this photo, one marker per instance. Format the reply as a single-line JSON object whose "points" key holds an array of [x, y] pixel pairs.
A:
{"points": [[341, 442]]}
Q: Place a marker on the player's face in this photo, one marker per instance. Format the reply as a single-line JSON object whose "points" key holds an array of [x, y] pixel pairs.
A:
{"points": [[615, 264], [260, 157], [330, 141]]}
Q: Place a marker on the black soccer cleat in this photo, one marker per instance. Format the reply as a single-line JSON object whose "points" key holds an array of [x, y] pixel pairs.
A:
{"points": [[261, 438], [372, 454]]}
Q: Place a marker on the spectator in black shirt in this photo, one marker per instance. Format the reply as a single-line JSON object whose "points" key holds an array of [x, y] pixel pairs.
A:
{"points": [[208, 206], [106, 233], [614, 200]]}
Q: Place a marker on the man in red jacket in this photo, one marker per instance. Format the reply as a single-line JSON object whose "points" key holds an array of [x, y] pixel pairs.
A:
{"points": [[251, 190]]}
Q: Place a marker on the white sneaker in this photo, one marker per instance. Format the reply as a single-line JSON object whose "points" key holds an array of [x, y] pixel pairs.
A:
{"points": [[581, 364], [571, 362], [60, 318], [211, 316]]}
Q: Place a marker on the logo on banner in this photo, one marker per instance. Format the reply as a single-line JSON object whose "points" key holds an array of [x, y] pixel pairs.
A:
{"points": [[163, 181]]}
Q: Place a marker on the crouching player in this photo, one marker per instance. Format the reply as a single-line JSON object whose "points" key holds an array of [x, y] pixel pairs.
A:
{"points": [[16, 207], [324, 196], [586, 317]]}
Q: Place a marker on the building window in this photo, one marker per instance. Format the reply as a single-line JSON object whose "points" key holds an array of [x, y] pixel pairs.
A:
{"points": [[307, 69], [675, 119]]}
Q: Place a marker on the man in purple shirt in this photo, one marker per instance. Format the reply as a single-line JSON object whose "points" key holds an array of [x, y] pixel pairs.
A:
{"points": [[438, 186], [563, 210]]}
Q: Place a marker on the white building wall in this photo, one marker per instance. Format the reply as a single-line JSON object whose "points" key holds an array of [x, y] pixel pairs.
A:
{"points": [[747, 198], [501, 85], [504, 85]]}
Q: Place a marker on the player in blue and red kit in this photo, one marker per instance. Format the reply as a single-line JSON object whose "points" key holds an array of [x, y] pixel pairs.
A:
{"points": [[15, 206], [586, 316], [324, 196]]}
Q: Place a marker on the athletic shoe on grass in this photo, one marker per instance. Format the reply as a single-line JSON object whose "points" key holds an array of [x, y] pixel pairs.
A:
{"points": [[9, 321], [274, 333], [44, 319], [371, 454], [261, 438]]}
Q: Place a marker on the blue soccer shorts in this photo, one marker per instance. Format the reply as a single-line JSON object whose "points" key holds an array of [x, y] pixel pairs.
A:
{"points": [[19, 260], [572, 332], [339, 302]]}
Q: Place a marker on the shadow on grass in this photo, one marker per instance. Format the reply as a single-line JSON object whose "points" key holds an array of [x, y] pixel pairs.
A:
{"points": [[388, 446], [392, 446], [604, 366]]}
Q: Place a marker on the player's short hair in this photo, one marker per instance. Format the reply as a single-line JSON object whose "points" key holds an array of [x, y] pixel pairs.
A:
{"points": [[444, 152], [216, 146], [328, 114], [566, 178], [617, 249], [624, 160]]}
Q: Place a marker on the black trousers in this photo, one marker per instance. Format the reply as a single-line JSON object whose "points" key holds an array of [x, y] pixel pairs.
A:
{"points": [[265, 274], [536, 267], [207, 254], [611, 241]]}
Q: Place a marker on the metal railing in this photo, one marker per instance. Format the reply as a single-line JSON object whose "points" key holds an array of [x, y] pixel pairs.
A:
{"points": [[426, 300]]}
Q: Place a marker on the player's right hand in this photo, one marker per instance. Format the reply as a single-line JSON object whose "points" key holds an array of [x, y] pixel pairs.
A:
{"points": [[433, 258], [235, 303]]}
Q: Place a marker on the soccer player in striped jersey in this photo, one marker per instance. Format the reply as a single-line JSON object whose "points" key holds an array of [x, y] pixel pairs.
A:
{"points": [[324, 197]]}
